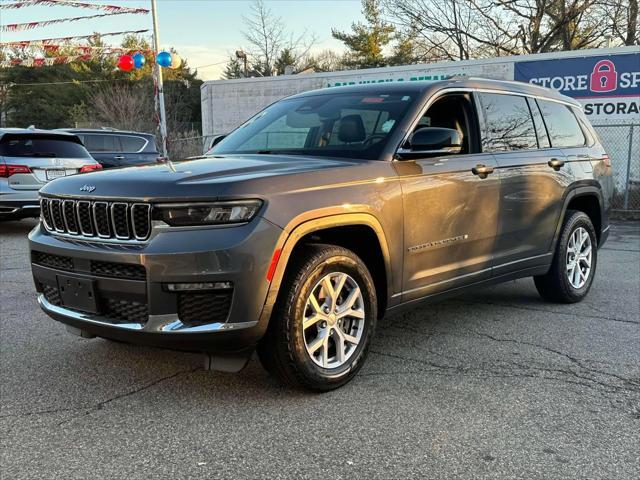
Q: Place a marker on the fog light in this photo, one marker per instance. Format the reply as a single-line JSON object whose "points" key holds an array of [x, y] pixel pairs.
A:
{"points": [[190, 287]]}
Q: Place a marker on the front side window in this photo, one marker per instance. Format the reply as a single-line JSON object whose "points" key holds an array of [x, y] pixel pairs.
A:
{"points": [[38, 145], [354, 125], [508, 123], [562, 125]]}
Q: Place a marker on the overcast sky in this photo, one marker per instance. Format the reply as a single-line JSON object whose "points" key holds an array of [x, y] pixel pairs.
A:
{"points": [[203, 31]]}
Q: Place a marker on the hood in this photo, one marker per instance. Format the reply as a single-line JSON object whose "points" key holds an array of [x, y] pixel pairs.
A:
{"points": [[206, 178]]}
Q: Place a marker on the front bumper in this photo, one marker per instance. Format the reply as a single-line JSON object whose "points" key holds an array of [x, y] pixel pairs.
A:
{"points": [[129, 280]]}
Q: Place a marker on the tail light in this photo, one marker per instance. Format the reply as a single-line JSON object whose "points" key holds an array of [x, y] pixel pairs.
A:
{"points": [[7, 170], [90, 168], [161, 159]]}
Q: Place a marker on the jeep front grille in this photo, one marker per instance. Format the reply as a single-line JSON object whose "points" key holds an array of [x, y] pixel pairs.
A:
{"points": [[97, 219]]}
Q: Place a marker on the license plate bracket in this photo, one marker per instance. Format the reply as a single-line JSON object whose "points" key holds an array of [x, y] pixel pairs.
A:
{"points": [[52, 173], [77, 293]]}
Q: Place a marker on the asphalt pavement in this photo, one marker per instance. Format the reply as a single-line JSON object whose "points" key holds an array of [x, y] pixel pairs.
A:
{"points": [[497, 384]]}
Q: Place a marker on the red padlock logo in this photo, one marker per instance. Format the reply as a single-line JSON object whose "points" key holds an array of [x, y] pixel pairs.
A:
{"points": [[604, 77]]}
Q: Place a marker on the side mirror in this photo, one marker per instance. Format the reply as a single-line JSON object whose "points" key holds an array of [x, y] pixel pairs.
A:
{"points": [[433, 141]]}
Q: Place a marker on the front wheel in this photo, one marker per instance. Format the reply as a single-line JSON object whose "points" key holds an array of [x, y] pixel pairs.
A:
{"points": [[320, 331], [574, 262]]}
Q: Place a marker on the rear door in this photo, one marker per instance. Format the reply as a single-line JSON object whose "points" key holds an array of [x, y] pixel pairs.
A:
{"points": [[531, 190], [451, 213], [133, 151], [105, 148]]}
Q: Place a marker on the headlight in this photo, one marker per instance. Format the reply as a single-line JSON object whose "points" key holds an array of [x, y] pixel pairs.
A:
{"points": [[218, 213]]}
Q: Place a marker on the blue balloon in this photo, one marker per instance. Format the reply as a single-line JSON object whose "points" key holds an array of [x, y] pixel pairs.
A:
{"points": [[139, 60], [164, 59]]}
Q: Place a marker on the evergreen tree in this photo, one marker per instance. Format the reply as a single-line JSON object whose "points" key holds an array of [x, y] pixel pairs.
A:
{"points": [[285, 59], [366, 42], [233, 69]]}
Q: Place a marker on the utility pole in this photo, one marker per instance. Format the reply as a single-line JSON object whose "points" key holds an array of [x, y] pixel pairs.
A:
{"points": [[162, 113]]}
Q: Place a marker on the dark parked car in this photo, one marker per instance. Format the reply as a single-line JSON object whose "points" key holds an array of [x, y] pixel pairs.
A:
{"points": [[322, 213], [119, 148], [29, 158]]}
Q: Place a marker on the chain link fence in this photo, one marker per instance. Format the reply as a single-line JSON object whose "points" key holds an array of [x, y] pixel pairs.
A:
{"points": [[622, 143]]}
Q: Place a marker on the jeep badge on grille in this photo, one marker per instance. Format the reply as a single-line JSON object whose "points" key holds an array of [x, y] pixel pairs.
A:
{"points": [[87, 188]]}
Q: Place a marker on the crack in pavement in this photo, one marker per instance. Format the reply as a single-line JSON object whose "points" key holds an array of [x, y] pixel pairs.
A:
{"points": [[574, 360], [100, 405], [544, 310]]}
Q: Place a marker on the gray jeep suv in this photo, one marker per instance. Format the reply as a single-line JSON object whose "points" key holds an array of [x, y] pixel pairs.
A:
{"points": [[323, 212]]}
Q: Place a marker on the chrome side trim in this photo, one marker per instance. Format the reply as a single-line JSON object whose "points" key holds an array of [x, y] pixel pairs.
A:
{"points": [[161, 324]]}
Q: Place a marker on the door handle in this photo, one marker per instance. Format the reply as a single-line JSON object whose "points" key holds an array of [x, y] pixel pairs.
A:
{"points": [[119, 157], [556, 163], [482, 171]]}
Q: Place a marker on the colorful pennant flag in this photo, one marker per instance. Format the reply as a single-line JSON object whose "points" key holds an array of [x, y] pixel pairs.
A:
{"points": [[70, 3], [48, 41], [18, 27]]}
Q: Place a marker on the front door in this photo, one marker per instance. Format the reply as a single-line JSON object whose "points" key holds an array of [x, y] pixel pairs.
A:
{"points": [[450, 207]]}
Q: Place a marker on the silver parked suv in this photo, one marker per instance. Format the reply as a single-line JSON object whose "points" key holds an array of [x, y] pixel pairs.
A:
{"points": [[323, 212], [29, 158]]}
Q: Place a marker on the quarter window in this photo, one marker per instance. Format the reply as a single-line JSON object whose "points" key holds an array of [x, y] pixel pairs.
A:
{"points": [[508, 123], [131, 144], [562, 125]]}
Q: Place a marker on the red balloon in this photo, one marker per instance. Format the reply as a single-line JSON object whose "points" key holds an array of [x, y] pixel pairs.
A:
{"points": [[126, 63]]}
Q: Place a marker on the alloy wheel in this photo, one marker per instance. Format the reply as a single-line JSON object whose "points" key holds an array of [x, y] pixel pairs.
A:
{"points": [[579, 256], [333, 320]]}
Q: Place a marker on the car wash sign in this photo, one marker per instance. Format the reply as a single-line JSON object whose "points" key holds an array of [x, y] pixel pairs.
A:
{"points": [[607, 86]]}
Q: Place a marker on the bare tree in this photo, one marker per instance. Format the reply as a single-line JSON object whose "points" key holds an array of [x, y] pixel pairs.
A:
{"points": [[450, 29], [621, 16], [268, 37], [462, 29], [121, 105]]}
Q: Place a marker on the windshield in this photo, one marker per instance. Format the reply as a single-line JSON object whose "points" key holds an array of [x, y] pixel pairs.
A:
{"points": [[41, 146], [354, 125]]}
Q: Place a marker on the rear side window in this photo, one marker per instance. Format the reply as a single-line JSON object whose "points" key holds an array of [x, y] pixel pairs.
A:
{"points": [[541, 130], [562, 125], [102, 143], [41, 146], [132, 144], [508, 123]]}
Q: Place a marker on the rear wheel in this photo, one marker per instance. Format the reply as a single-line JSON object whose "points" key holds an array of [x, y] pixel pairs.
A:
{"points": [[320, 331], [574, 262]]}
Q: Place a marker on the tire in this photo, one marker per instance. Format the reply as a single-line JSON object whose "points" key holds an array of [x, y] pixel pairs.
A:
{"points": [[559, 285], [285, 350]]}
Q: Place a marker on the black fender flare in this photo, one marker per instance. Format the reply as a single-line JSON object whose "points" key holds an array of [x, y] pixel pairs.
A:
{"points": [[580, 190], [292, 235]]}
